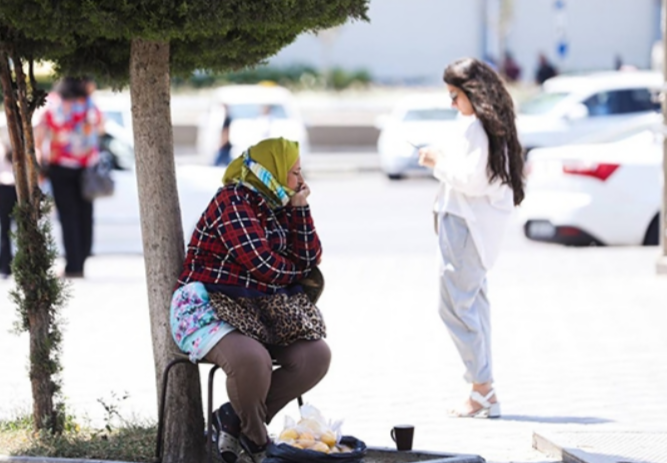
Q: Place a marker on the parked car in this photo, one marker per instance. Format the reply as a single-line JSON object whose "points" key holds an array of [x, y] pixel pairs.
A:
{"points": [[571, 107], [416, 121], [257, 112], [117, 219], [116, 107], [601, 193]]}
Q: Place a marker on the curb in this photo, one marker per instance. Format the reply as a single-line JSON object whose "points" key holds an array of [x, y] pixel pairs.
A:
{"points": [[603, 446], [385, 452], [8, 459]]}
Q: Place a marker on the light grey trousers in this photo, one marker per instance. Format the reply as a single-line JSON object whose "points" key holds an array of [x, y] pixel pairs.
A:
{"points": [[464, 306]]}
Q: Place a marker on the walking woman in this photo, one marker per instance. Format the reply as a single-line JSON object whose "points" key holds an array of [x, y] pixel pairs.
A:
{"points": [[481, 175], [8, 200], [69, 130]]}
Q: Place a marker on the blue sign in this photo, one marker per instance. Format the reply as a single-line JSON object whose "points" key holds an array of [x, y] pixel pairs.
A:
{"points": [[562, 49], [559, 4]]}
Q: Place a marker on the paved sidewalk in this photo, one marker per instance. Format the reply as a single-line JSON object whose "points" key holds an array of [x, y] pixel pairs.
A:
{"points": [[579, 334], [574, 350]]}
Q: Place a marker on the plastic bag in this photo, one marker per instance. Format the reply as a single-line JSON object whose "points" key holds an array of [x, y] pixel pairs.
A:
{"points": [[314, 439], [285, 453], [97, 181]]}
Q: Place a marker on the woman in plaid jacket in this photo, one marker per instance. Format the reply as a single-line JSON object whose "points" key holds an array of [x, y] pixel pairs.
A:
{"points": [[238, 302]]}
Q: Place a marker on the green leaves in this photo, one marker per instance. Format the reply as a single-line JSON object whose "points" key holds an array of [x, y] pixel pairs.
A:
{"points": [[93, 36]]}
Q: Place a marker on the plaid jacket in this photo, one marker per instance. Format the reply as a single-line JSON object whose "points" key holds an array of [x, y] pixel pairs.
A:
{"points": [[240, 241]]}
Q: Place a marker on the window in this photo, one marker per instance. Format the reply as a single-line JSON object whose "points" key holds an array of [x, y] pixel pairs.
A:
{"points": [[542, 103], [253, 111], [622, 102], [638, 100], [601, 104], [430, 114], [115, 116]]}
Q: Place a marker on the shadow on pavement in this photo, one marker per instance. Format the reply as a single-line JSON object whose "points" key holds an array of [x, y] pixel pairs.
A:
{"points": [[555, 419]]}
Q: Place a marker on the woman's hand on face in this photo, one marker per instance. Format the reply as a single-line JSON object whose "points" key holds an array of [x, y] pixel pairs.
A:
{"points": [[428, 157], [300, 198]]}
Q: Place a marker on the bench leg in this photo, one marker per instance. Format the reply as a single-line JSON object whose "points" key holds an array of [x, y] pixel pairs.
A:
{"points": [[209, 414]]}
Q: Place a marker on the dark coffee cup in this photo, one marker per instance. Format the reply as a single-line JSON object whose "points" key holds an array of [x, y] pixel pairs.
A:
{"points": [[402, 435]]}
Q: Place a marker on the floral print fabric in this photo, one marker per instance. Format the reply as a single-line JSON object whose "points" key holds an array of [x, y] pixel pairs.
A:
{"points": [[194, 325]]}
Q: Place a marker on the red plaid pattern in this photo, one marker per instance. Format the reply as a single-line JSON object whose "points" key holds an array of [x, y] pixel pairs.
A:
{"points": [[240, 241]]}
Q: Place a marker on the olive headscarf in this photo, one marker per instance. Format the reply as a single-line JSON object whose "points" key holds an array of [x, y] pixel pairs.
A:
{"points": [[264, 167]]}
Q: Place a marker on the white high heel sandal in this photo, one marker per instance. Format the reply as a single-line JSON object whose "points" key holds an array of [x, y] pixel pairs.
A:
{"points": [[488, 410]]}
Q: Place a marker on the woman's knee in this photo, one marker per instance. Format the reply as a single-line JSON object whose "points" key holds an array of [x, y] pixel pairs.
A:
{"points": [[237, 354], [309, 356]]}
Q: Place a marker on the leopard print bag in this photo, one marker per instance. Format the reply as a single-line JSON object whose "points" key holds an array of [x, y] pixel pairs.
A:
{"points": [[277, 319]]}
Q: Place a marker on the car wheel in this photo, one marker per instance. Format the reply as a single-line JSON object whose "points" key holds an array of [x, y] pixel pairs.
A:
{"points": [[652, 237], [395, 176]]}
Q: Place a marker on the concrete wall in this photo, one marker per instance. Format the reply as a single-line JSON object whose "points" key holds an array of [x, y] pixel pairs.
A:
{"points": [[413, 40], [596, 30], [406, 40]]}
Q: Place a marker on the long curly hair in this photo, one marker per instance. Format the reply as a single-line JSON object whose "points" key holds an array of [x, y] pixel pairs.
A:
{"points": [[494, 108]]}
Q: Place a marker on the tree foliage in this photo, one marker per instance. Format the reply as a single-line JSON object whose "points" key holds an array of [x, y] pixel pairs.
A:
{"points": [[145, 43], [93, 37]]}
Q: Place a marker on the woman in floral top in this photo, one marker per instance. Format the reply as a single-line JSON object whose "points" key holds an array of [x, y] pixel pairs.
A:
{"points": [[250, 249]]}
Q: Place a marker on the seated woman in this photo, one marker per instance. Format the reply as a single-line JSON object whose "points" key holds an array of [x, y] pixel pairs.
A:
{"points": [[238, 302]]}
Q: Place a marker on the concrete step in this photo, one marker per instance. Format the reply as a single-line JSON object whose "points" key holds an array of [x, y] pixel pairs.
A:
{"points": [[603, 446]]}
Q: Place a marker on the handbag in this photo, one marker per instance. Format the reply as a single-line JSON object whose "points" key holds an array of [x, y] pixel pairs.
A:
{"points": [[276, 319], [96, 181]]}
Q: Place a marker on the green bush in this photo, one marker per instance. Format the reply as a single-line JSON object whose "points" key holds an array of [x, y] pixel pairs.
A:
{"points": [[296, 76]]}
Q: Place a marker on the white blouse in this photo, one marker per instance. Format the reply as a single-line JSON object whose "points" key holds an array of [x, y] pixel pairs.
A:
{"points": [[465, 189]]}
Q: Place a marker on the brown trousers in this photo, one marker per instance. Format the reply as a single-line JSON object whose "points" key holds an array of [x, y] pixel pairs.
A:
{"points": [[256, 391]]}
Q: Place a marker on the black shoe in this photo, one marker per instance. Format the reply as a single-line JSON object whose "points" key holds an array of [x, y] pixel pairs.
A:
{"points": [[226, 432], [256, 452]]}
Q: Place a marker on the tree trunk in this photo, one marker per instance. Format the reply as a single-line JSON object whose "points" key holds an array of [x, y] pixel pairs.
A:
{"points": [[37, 296], [162, 234], [43, 388]]}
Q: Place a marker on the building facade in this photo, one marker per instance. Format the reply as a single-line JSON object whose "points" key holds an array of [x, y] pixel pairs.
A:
{"points": [[410, 41]]}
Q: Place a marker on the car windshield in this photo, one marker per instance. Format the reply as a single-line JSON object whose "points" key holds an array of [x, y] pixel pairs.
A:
{"points": [[253, 111], [115, 116], [542, 103], [430, 114]]}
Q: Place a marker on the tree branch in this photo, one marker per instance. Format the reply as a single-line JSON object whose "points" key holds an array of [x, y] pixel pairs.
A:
{"points": [[38, 97], [14, 129], [28, 137]]}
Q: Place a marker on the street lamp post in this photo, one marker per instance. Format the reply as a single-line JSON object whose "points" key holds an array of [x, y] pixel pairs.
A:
{"points": [[662, 261]]}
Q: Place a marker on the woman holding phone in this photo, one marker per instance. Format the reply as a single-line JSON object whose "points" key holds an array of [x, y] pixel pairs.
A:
{"points": [[481, 181]]}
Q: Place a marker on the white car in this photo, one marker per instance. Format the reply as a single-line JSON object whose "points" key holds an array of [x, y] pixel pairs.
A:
{"points": [[257, 112], [116, 107], [116, 218], [571, 107], [416, 121], [604, 193]]}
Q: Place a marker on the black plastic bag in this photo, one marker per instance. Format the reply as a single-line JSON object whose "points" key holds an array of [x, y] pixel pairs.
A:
{"points": [[285, 453]]}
